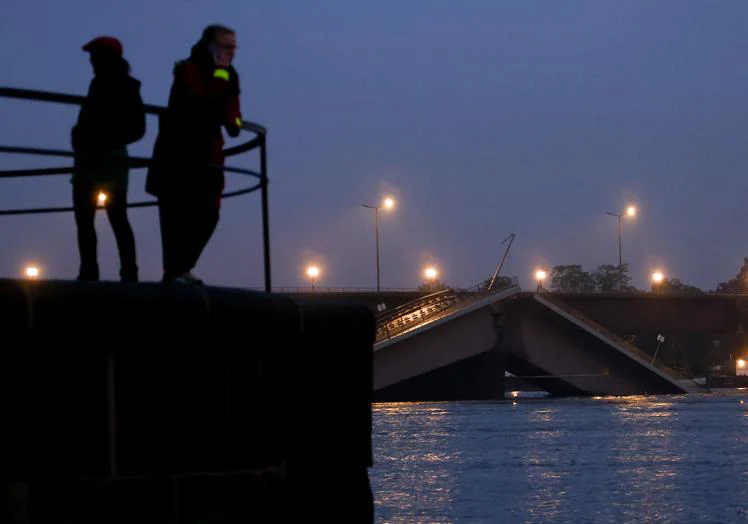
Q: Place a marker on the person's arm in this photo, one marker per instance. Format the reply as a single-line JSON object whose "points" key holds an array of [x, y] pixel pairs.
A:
{"points": [[80, 134], [233, 116]]}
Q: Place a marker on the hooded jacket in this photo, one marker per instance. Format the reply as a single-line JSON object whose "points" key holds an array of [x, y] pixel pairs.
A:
{"points": [[188, 153], [111, 117]]}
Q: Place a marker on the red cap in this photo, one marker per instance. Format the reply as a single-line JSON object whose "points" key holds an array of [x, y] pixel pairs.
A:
{"points": [[104, 42]]}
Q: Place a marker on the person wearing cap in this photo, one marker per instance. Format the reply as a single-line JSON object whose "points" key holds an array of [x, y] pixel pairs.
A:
{"points": [[186, 170], [111, 117]]}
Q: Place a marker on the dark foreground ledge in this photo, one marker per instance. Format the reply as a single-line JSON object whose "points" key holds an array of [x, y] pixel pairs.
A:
{"points": [[174, 404]]}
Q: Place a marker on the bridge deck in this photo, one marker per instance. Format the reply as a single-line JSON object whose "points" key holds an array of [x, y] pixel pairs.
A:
{"points": [[633, 371]]}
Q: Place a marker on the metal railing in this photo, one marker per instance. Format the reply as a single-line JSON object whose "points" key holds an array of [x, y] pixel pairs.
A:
{"points": [[404, 318], [258, 142]]}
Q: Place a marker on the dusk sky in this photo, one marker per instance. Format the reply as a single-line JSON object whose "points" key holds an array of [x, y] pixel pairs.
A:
{"points": [[481, 118]]}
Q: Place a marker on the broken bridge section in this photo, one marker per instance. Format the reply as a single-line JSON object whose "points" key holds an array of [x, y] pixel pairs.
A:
{"points": [[452, 346], [564, 352]]}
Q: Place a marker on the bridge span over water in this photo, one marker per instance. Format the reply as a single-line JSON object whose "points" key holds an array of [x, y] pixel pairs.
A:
{"points": [[458, 345]]}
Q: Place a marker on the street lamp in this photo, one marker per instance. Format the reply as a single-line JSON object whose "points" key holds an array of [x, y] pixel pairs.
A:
{"points": [[387, 203], [540, 276], [630, 212], [657, 278], [102, 198], [32, 272], [430, 273], [313, 273]]}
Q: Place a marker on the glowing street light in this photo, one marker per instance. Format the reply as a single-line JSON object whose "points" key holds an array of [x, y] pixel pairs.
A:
{"points": [[313, 273], [630, 212], [387, 203], [540, 276], [658, 278], [102, 198], [32, 272], [430, 273]]}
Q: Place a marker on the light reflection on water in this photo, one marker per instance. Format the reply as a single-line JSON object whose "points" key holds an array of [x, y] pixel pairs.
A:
{"points": [[428, 465], [677, 459]]}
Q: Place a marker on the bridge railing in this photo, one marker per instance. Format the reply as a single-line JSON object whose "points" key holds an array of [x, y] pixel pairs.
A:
{"points": [[258, 142], [417, 312]]}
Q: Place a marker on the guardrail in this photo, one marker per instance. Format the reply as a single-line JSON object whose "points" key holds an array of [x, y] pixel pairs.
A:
{"points": [[412, 314], [258, 142]]}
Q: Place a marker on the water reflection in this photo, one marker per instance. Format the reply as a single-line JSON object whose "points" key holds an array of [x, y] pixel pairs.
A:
{"points": [[610, 460], [426, 457], [646, 457], [543, 465]]}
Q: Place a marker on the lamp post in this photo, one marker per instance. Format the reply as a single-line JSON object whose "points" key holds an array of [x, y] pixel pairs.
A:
{"points": [[387, 203], [540, 276], [629, 213], [657, 278], [313, 273], [430, 273]]}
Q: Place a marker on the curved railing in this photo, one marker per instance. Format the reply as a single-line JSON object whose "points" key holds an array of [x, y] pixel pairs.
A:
{"points": [[258, 142]]}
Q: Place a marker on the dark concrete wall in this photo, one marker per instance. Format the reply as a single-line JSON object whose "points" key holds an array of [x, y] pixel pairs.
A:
{"points": [[153, 403], [475, 378]]}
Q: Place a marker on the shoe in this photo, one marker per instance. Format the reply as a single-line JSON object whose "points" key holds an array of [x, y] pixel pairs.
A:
{"points": [[188, 278], [88, 272], [129, 275], [88, 277]]}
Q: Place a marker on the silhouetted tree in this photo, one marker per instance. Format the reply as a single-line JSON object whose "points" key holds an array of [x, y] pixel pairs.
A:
{"points": [[571, 279], [739, 284], [675, 287], [433, 286], [498, 284], [609, 278]]}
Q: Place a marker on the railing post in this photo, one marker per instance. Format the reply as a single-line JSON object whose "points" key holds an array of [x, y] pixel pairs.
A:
{"points": [[265, 213]]}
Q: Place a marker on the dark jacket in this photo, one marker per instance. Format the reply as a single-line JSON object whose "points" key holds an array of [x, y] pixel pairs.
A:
{"points": [[111, 118], [188, 152]]}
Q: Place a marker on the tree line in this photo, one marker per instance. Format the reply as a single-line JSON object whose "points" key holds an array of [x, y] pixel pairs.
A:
{"points": [[608, 278]]}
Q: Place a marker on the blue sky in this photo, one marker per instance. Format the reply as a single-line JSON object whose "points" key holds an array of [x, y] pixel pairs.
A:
{"points": [[482, 118]]}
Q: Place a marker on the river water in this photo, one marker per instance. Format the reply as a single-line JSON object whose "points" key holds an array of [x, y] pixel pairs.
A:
{"points": [[679, 459]]}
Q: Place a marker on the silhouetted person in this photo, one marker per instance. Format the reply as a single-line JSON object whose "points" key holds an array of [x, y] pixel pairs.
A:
{"points": [[111, 118], [186, 173]]}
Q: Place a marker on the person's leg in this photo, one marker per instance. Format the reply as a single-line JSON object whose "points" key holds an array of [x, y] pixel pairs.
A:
{"points": [[84, 204], [206, 214], [175, 218], [116, 208]]}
